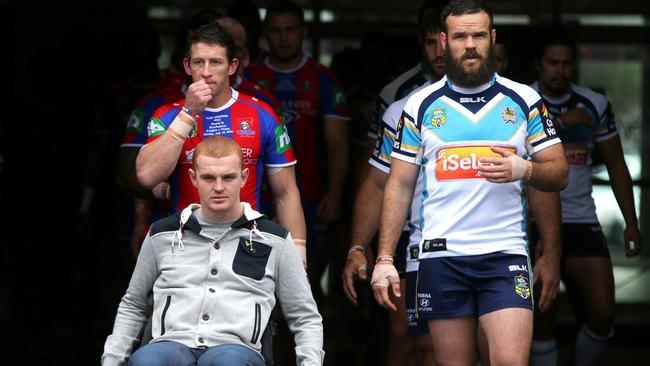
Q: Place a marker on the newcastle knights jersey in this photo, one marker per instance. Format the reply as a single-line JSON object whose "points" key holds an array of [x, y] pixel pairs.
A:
{"points": [[308, 93], [251, 123]]}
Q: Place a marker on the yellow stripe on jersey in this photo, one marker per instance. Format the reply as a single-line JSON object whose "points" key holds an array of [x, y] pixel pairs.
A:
{"points": [[533, 114], [537, 136]]}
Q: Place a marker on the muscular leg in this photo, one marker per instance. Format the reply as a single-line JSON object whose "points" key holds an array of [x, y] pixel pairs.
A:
{"points": [[400, 342], [544, 346], [454, 341], [423, 351], [509, 333], [597, 302]]}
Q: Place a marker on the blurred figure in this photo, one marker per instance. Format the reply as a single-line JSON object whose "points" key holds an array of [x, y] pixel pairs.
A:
{"points": [[316, 116], [408, 342], [585, 121]]}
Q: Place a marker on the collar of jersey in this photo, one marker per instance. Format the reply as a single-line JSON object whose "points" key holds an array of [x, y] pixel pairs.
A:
{"points": [[288, 71], [474, 90], [233, 98]]}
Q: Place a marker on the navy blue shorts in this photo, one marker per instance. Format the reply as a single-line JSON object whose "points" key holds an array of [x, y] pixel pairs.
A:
{"points": [[451, 287], [417, 326], [579, 240]]}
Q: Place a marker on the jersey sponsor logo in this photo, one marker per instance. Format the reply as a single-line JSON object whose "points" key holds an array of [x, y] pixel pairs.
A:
{"points": [[434, 245], [155, 127], [517, 267], [135, 121], [521, 286], [398, 140], [282, 141], [414, 252], [424, 302], [577, 155], [338, 98], [548, 122], [284, 85], [438, 116], [245, 127], [189, 155], [462, 162], [249, 159], [472, 100], [509, 115]]}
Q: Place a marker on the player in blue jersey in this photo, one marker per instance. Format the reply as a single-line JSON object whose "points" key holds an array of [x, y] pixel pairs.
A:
{"points": [[470, 133], [585, 122]]}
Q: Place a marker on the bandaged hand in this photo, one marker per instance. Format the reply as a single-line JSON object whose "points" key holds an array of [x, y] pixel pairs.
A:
{"points": [[356, 266], [509, 168], [385, 275]]}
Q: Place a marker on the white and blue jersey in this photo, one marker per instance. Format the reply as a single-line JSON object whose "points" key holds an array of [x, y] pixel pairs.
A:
{"points": [[577, 203], [399, 88], [381, 160], [446, 130]]}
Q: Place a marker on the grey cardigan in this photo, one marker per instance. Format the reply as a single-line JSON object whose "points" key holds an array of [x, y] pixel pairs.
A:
{"points": [[210, 291]]}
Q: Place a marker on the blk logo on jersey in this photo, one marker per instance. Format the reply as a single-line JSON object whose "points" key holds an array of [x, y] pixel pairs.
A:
{"points": [[462, 162], [434, 245]]}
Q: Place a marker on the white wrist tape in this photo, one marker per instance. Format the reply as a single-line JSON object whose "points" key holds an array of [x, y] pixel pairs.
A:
{"points": [[181, 127], [302, 252], [520, 168], [161, 191], [381, 274]]}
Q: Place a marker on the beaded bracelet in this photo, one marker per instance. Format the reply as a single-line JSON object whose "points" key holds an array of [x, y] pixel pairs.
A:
{"points": [[357, 248], [192, 114], [384, 258]]}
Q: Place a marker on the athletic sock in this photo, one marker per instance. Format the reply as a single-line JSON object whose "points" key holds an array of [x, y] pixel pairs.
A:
{"points": [[589, 346], [543, 353]]}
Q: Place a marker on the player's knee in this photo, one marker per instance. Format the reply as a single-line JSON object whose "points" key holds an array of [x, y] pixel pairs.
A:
{"points": [[600, 322]]}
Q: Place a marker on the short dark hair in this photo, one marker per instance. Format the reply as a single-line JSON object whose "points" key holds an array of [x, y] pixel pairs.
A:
{"points": [[429, 17], [554, 36], [462, 7], [212, 34], [284, 7]]}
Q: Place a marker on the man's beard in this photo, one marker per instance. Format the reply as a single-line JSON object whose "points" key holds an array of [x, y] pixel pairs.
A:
{"points": [[457, 74]]}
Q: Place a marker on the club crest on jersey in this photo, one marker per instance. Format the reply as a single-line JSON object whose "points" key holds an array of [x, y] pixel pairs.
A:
{"points": [[509, 115], [438, 117], [521, 286], [245, 127]]}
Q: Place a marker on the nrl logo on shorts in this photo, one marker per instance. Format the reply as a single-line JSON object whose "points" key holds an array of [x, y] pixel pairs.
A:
{"points": [[438, 117], [509, 115], [521, 286]]}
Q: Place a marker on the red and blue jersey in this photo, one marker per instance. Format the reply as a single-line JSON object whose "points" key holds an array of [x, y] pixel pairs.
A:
{"points": [[308, 93], [136, 127], [263, 139]]}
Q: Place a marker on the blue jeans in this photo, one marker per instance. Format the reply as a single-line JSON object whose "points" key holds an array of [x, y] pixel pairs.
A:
{"points": [[168, 353]]}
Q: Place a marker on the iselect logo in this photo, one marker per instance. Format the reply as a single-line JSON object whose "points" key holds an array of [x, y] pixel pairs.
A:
{"points": [[462, 162]]}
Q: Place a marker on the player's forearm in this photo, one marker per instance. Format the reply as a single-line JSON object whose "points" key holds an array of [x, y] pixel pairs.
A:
{"points": [[290, 213], [621, 182], [546, 210], [550, 175], [367, 208], [337, 166], [394, 209], [157, 160]]}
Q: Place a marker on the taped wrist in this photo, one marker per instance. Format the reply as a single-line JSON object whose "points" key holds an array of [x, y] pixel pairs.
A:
{"points": [[358, 259], [520, 168], [381, 274]]}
